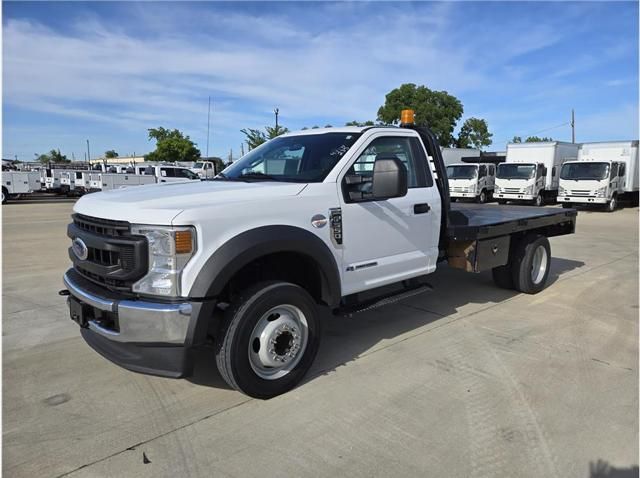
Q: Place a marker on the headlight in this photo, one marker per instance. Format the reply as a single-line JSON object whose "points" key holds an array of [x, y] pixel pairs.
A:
{"points": [[602, 192], [561, 191], [170, 248], [529, 189]]}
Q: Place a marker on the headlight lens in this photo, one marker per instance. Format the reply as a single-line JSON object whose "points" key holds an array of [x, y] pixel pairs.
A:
{"points": [[561, 191], [170, 248], [602, 192]]}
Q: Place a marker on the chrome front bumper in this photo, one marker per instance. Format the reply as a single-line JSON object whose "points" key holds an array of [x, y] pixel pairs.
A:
{"points": [[139, 321], [454, 194]]}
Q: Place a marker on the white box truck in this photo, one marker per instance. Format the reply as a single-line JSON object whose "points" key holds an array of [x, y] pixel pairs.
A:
{"points": [[531, 171], [455, 155], [604, 174], [15, 183], [471, 181]]}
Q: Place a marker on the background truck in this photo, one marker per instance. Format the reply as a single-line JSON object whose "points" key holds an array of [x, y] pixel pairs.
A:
{"points": [[166, 173], [15, 183], [531, 171], [471, 181], [455, 155], [250, 262], [205, 169], [605, 174]]}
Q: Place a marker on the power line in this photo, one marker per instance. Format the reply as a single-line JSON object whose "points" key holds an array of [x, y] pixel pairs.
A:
{"points": [[541, 131]]}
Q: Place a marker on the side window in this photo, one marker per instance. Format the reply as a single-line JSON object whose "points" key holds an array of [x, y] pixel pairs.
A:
{"points": [[622, 170], [492, 170], [614, 170], [399, 147], [168, 172], [553, 172], [483, 171]]}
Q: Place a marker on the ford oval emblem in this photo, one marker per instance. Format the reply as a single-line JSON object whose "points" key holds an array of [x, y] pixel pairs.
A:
{"points": [[80, 249]]}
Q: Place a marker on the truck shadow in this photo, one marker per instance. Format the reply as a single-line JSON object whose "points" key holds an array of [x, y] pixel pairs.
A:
{"points": [[602, 469], [345, 339]]}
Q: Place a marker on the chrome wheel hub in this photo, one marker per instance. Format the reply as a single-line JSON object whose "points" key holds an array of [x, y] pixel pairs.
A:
{"points": [[539, 265], [278, 342]]}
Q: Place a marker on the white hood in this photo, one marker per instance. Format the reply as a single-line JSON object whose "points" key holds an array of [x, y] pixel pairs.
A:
{"points": [[160, 203]]}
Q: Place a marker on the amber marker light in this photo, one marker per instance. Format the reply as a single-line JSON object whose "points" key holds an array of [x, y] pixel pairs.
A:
{"points": [[184, 242]]}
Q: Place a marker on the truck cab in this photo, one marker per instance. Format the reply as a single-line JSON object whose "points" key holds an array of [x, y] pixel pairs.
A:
{"points": [[471, 181], [166, 174], [592, 182], [205, 169], [338, 220], [520, 181]]}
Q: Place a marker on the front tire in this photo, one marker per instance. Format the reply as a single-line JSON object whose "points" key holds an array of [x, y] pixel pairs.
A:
{"points": [[531, 262], [612, 204], [268, 339], [5, 195], [483, 197], [538, 201]]}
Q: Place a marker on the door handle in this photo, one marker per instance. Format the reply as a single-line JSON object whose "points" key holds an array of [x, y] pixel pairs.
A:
{"points": [[421, 208]]}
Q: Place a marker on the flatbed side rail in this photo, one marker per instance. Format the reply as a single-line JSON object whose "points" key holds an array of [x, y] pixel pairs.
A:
{"points": [[550, 226]]}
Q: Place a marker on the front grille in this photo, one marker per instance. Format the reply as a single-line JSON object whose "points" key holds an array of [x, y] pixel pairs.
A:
{"points": [[106, 227], [115, 259], [582, 192], [512, 190]]}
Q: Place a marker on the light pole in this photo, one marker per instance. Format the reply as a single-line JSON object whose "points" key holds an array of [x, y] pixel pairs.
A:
{"points": [[276, 111]]}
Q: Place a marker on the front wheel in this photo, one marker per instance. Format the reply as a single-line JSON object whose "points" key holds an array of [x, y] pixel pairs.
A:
{"points": [[268, 340], [539, 200], [612, 204], [5, 195], [483, 197]]}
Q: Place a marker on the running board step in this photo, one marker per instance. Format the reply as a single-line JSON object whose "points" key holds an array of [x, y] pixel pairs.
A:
{"points": [[384, 300]]}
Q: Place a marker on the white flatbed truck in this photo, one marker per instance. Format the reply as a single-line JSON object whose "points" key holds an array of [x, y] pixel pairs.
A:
{"points": [[347, 219]]}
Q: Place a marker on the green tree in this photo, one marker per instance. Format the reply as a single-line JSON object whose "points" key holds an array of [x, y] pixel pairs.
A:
{"points": [[255, 137], [171, 145], [110, 154], [474, 133], [536, 139], [438, 110], [359, 123], [516, 139], [53, 156]]}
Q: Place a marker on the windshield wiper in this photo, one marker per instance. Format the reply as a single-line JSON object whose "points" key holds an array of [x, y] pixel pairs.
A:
{"points": [[257, 175]]}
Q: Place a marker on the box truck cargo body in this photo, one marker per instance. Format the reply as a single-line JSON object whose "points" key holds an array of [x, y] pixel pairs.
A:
{"points": [[604, 174], [15, 183], [532, 170]]}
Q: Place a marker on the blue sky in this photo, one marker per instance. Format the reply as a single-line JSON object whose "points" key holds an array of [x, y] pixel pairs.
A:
{"points": [[108, 71]]}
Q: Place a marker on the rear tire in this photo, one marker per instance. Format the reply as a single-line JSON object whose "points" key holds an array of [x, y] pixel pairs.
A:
{"points": [[530, 264], [268, 339]]}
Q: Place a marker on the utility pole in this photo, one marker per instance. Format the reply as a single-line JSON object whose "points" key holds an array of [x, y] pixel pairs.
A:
{"points": [[276, 111], [88, 153], [208, 122], [573, 126], [241, 149]]}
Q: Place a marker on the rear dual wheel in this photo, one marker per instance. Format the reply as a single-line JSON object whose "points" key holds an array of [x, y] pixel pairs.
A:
{"points": [[268, 340], [528, 267]]}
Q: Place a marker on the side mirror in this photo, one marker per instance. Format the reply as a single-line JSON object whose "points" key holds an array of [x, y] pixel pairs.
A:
{"points": [[389, 178]]}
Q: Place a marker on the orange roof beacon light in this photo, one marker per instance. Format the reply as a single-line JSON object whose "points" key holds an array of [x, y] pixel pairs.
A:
{"points": [[407, 117]]}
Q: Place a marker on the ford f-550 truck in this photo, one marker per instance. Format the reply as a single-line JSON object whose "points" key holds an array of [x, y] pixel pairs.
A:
{"points": [[339, 219]]}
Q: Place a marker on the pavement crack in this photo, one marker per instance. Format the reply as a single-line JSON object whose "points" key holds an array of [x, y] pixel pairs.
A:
{"points": [[144, 442]]}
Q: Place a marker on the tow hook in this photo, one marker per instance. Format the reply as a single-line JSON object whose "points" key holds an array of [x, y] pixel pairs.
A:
{"points": [[64, 292]]}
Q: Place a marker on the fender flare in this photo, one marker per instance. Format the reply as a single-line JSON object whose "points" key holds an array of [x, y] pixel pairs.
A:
{"points": [[250, 245]]}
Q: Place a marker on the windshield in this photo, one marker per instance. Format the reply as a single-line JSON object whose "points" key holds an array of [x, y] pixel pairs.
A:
{"points": [[462, 172], [198, 166], [516, 171], [593, 171], [305, 158]]}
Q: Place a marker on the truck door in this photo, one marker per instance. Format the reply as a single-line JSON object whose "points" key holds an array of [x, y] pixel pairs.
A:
{"points": [[482, 178], [386, 241], [491, 177], [622, 177], [614, 182]]}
